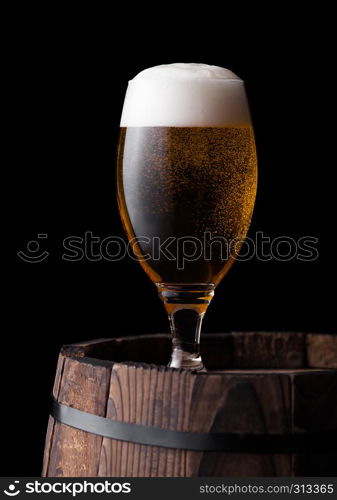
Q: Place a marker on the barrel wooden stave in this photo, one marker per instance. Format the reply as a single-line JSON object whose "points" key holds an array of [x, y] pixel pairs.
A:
{"points": [[269, 399]]}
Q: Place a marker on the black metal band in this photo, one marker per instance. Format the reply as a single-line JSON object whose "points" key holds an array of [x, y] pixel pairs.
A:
{"points": [[318, 442]]}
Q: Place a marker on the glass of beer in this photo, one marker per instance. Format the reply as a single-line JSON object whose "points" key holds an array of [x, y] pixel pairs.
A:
{"points": [[186, 176]]}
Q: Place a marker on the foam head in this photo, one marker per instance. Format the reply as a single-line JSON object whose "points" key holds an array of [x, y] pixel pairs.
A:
{"points": [[185, 95]]}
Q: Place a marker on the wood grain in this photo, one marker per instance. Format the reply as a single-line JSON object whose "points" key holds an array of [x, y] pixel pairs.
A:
{"points": [[75, 453], [243, 404], [51, 421], [261, 383], [315, 408], [322, 350], [265, 350]]}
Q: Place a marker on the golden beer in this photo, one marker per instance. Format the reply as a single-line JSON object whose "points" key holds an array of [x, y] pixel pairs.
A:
{"points": [[181, 183]]}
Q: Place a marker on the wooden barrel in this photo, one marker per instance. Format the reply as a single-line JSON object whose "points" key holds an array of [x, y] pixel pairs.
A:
{"points": [[281, 386]]}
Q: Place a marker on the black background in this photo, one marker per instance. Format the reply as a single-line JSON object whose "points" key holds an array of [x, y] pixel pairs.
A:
{"points": [[70, 72]]}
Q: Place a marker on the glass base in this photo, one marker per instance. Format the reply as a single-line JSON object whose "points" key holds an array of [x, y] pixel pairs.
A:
{"points": [[186, 305], [188, 360]]}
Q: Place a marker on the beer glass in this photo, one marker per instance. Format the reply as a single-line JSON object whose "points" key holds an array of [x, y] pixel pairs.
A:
{"points": [[186, 176]]}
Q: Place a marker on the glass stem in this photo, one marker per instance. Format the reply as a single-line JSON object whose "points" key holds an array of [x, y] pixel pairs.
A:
{"points": [[186, 306]]}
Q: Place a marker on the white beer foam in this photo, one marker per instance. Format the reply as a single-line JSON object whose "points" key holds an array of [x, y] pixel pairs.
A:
{"points": [[183, 70], [185, 95]]}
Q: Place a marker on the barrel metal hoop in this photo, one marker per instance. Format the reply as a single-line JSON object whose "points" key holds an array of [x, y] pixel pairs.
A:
{"points": [[314, 442]]}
